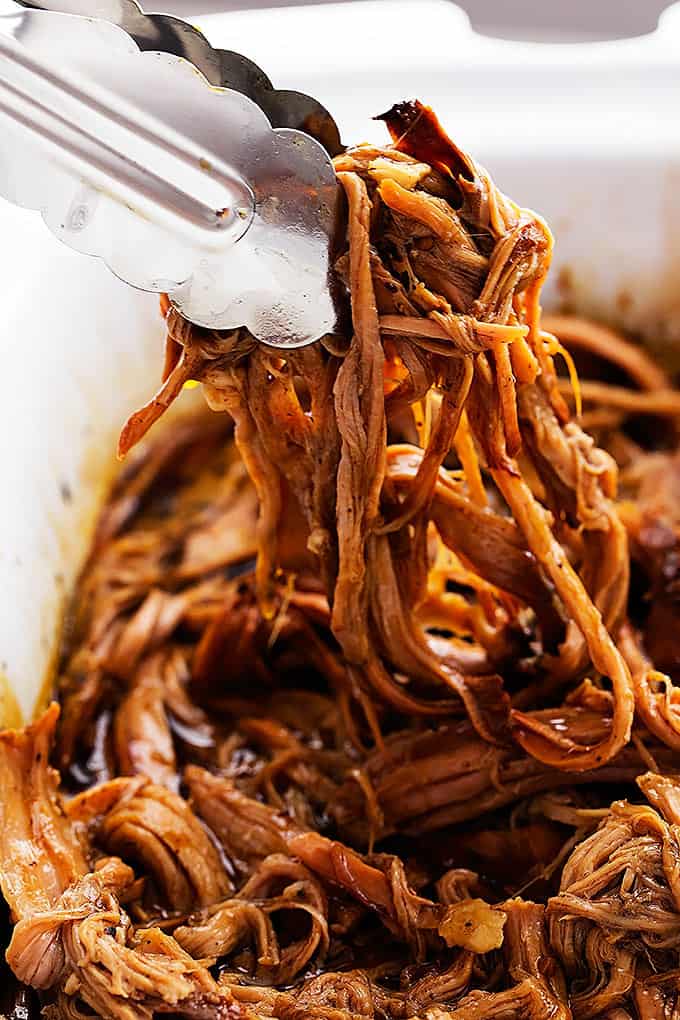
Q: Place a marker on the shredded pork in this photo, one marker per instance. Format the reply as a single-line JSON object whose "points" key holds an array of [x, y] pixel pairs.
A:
{"points": [[367, 703]]}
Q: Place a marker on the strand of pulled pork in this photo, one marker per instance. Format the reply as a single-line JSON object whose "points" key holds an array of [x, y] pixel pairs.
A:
{"points": [[433, 245], [360, 413]]}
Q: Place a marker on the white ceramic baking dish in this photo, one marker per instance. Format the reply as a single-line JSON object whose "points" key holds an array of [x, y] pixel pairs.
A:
{"points": [[587, 134]]}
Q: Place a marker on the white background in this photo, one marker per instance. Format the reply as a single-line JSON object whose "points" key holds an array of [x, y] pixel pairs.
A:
{"points": [[555, 20]]}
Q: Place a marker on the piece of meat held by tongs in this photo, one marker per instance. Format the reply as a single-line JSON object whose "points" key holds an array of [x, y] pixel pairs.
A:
{"points": [[177, 164]]}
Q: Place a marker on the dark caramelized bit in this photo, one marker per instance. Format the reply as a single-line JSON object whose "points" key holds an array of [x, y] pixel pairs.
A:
{"points": [[415, 130]]}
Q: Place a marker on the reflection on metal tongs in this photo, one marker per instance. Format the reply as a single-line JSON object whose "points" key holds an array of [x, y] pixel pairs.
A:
{"points": [[221, 196]]}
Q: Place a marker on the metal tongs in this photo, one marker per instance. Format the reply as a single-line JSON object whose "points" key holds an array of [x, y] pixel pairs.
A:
{"points": [[177, 164]]}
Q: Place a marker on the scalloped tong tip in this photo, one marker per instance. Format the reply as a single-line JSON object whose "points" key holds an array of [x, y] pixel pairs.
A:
{"points": [[177, 164]]}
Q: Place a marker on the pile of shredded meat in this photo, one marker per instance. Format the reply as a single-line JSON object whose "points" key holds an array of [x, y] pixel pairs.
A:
{"points": [[367, 704]]}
